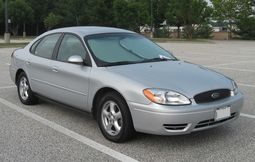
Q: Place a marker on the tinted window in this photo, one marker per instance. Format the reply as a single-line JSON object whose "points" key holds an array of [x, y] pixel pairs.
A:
{"points": [[130, 48], [32, 49], [46, 47], [70, 45]]}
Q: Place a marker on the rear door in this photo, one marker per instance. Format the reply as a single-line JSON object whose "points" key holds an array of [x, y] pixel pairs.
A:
{"points": [[39, 65]]}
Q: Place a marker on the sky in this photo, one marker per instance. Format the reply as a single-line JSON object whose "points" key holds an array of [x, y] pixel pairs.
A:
{"points": [[209, 2]]}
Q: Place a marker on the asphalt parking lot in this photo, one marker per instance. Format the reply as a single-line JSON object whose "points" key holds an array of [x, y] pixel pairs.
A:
{"points": [[53, 132]]}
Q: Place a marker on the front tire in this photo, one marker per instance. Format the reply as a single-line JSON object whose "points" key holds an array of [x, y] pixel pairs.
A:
{"points": [[25, 93], [114, 118]]}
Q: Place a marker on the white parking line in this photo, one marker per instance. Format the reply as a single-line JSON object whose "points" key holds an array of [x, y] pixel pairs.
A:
{"points": [[70, 133], [217, 55], [246, 85], [235, 69], [231, 63], [7, 87], [248, 115]]}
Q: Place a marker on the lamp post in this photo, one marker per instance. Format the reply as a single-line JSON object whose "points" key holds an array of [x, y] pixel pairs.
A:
{"points": [[6, 34]]}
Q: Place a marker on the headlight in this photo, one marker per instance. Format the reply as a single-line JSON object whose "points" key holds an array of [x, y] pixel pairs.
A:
{"points": [[234, 91], [166, 97]]}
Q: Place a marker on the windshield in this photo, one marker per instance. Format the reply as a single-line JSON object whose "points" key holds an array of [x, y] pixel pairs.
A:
{"points": [[120, 49]]}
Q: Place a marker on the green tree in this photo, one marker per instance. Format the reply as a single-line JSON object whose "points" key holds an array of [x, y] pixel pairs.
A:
{"points": [[130, 14], [1, 11], [188, 13], [20, 13], [100, 12], [40, 10], [74, 12], [246, 27], [174, 15], [231, 11], [203, 31], [52, 20], [159, 9]]}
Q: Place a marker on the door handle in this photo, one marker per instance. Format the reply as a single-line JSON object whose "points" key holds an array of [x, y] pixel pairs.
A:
{"points": [[54, 69], [28, 62]]}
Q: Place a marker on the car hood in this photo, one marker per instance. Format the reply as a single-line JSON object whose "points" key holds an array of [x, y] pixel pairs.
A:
{"points": [[186, 78]]}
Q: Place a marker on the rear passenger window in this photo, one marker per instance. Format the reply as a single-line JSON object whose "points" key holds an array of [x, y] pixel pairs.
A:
{"points": [[46, 46], [32, 49]]}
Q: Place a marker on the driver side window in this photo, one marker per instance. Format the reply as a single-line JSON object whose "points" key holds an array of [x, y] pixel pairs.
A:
{"points": [[70, 45]]}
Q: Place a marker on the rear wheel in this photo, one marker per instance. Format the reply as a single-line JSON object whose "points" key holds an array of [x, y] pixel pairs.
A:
{"points": [[25, 93], [114, 118]]}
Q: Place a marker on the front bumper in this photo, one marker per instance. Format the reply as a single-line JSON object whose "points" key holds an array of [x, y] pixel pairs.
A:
{"points": [[175, 120]]}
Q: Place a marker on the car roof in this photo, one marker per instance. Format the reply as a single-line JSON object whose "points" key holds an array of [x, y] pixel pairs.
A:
{"points": [[88, 30]]}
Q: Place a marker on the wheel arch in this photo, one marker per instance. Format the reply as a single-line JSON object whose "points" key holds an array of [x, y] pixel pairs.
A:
{"points": [[19, 71], [99, 94]]}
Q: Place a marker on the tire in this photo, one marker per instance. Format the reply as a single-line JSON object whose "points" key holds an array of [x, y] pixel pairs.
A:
{"points": [[114, 112], [25, 93]]}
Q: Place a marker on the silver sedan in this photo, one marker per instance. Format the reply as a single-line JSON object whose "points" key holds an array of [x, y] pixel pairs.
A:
{"points": [[127, 82]]}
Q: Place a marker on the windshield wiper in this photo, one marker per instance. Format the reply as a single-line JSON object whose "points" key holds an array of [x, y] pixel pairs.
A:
{"points": [[156, 59], [165, 58], [160, 58], [120, 63]]}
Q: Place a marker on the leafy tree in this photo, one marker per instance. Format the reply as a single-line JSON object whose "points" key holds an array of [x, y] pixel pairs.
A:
{"points": [[73, 11], [246, 27], [40, 10], [203, 31], [174, 15], [188, 13], [52, 20], [100, 12], [20, 13], [1, 11], [231, 10], [159, 12], [130, 14]]}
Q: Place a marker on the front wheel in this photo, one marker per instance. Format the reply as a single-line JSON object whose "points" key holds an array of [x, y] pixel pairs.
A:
{"points": [[25, 93], [114, 118]]}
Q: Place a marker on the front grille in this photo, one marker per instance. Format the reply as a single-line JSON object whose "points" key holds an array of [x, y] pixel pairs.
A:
{"points": [[211, 122], [175, 126], [211, 96]]}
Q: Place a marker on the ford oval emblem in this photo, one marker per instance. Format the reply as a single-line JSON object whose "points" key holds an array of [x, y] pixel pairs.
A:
{"points": [[215, 95]]}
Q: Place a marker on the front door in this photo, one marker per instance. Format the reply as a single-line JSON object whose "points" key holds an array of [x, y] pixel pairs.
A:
{"points": [[71, 80]]}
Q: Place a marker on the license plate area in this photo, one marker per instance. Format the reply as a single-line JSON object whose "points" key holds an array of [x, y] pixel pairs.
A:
{"points": [[222, 113]]}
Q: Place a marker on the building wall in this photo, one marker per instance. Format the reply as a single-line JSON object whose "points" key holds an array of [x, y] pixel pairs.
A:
{"points": [[220, 35]]}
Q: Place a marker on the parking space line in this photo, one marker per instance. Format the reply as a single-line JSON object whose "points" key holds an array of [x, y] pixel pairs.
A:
{"points": [[211, 54], [246, 85], [7, 87], [226, 68], [232, 63], [248, 115], [97, 146]]}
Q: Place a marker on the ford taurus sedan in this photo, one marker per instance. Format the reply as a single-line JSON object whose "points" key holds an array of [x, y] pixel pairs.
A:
{"points": [[127, 82]]}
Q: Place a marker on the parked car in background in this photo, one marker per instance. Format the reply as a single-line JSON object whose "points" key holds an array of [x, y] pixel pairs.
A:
{"points": [[126, 81]]}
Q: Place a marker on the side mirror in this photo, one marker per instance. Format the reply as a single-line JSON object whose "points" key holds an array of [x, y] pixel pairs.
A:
{"points": [[75, 59]]}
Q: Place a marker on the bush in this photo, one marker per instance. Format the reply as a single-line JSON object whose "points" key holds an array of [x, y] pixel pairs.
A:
{"points": [[203, 31], [246, 28], [188, 32], [162, 33]]}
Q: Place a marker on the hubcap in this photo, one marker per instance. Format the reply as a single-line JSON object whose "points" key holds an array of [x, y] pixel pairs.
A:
{"points": [[23, 88], [111, 118]]}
